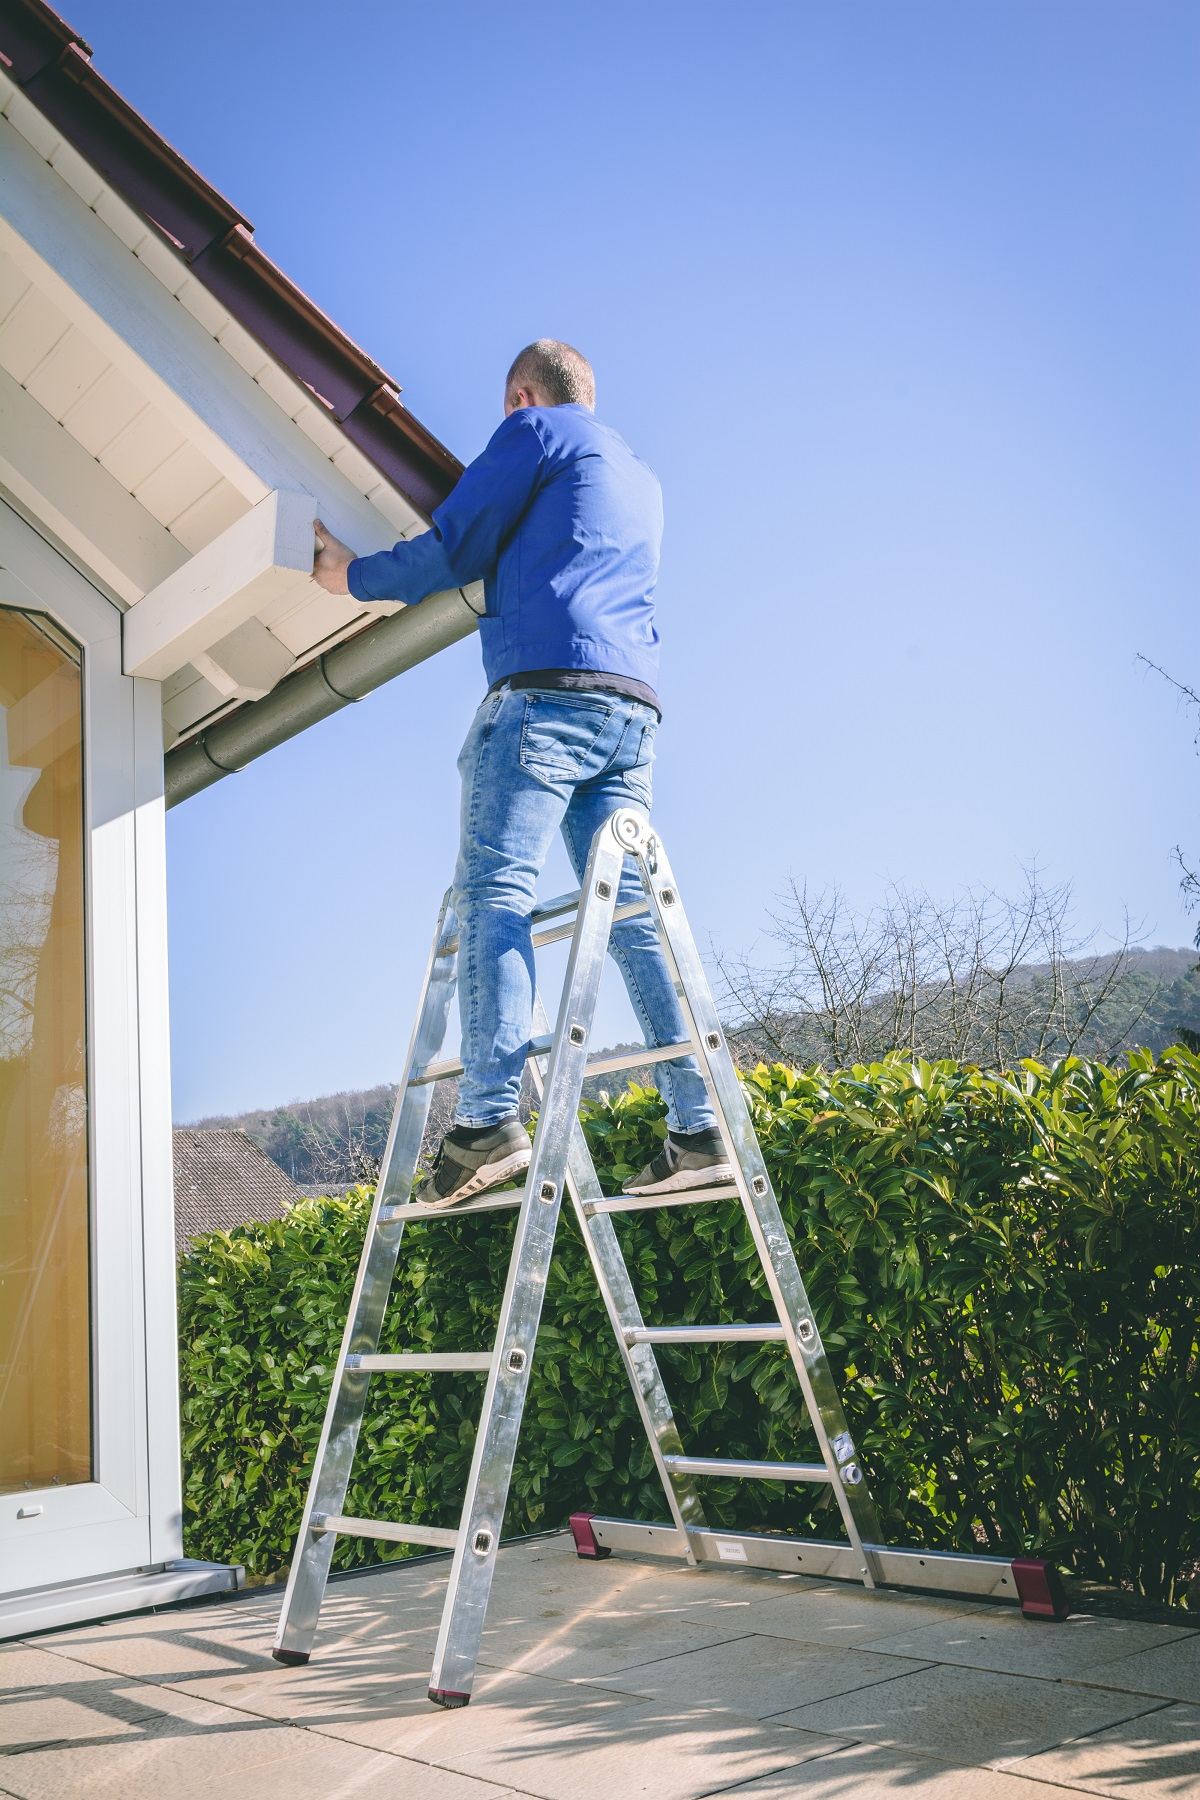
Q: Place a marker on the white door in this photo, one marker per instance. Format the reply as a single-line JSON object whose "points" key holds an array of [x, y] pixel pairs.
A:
{"points": [[88, 1427]]}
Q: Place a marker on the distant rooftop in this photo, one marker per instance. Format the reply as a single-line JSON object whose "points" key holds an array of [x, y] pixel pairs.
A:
{"points": [[223, 1179]]}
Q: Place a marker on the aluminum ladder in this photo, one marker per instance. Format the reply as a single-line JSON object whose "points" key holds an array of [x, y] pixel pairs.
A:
{"points": [[561, 1164]]}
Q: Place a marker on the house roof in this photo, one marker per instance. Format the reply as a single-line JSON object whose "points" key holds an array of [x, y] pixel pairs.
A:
{"points": [[223, 1179], [174, 410], [51, 63]]}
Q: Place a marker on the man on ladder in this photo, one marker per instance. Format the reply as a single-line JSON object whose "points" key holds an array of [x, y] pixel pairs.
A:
{"points": [[562, 523]]}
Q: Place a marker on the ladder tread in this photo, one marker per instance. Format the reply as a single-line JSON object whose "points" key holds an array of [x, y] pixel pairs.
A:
{"points": [[542, 1046], [554, 909], [564, 1163], [747, 1471], [705, 1334], [414, 1209], [416, 1360], [434, 1535], [621, 1203]]}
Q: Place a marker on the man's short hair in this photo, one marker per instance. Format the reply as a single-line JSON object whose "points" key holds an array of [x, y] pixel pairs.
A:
{"points": [[557, 371]]}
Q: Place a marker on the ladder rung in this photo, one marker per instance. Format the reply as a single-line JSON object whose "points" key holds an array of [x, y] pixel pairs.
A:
{"points": [[550, 909], [383, 1528], [621, 1203], [633, 1059], [557, 932], [704, 1334], [416, 1362], [413, 1209], [542, 1046], [447, 1071], [554, 909], [747, 1471]]}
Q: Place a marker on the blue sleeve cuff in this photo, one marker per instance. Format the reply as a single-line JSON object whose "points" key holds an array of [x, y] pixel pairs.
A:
{"points": [[354, 580]]}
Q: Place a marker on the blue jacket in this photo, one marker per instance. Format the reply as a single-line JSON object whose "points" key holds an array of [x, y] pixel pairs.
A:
{"points": [[562, 523]]}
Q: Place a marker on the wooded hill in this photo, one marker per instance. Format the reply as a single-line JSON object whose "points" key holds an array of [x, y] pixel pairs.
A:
{"points": [[1153, 1002]]}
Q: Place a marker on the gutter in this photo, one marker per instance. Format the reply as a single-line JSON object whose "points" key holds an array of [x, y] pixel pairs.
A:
{"points": [[337, 679]]}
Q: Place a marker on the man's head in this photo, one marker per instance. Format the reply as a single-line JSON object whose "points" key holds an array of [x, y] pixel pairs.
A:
{"points": [[549, 374]]}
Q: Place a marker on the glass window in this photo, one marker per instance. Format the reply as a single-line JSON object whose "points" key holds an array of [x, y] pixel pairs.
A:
{"points": [[45, 1338]]}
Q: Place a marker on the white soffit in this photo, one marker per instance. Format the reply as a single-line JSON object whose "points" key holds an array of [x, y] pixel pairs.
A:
{"points": [[141, 423]]}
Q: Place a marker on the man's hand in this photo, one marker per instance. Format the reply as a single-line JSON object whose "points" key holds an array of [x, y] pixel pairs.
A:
{"points": [[331, 561]]}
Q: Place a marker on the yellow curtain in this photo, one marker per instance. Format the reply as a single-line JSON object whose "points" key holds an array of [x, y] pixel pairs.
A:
{"points": [[45, 1339]]}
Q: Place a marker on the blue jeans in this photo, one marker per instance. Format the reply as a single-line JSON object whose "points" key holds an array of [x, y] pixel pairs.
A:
{"points": [[536, 760]]}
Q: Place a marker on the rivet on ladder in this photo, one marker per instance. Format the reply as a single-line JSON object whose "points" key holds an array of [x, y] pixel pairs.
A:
{"points": [[548, 1190], [516, 1361], [759, 1184], [577, 1034], [481, 1543], [805, 1330], [604, 890], [713, 1040], [667, 896]]}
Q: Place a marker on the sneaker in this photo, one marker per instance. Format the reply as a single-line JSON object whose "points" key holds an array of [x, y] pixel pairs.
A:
{"points": [[687, 1160], [474, 1160]]}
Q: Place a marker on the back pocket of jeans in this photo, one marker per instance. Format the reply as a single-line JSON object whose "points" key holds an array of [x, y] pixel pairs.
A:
{"points": [[560, 735]]}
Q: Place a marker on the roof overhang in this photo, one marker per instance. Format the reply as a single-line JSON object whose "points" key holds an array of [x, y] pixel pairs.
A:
{"points": [[175, 411]]}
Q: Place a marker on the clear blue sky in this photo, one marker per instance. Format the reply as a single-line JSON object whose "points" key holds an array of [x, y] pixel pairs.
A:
{"points": [[900, 300]]}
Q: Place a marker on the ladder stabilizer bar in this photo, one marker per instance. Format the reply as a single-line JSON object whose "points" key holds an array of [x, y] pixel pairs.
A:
{"points": [[1033, 1583]]}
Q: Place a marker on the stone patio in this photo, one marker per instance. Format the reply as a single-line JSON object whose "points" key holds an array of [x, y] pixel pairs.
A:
{"points": [[601, 1681]]}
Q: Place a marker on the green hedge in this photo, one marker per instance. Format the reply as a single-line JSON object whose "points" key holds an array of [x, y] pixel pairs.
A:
{"points": [[1006, 1269]]}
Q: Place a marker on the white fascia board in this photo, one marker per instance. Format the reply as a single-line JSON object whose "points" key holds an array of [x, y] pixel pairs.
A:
{"points": [[100, 284], [100, 522], [258, 558]]}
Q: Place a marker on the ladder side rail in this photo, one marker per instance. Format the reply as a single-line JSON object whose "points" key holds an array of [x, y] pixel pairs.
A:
{"points": [[621, 1303], [474, 1562], [779, 1263], [364, 1319]]}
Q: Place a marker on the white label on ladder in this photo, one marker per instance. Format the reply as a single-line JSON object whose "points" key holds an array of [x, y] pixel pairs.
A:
{"points": [[729, 1550]]}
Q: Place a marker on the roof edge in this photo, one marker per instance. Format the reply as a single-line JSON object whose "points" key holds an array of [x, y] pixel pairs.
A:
{"points": [[51, 64]]}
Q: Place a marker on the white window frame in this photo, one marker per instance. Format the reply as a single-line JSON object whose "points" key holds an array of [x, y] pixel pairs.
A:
{"points": [[129, 1516]]}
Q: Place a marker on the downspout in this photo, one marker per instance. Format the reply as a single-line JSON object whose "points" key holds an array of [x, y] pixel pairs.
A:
{"points": [[336, 679]]}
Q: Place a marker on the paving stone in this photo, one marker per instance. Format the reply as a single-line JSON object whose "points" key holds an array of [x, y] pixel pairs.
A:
{"points": [[567, 1741], [864, 1772], [968, 1715], [1000, 1639], [343, 1681], [851, 1615], [633, 1676], [1173, 1672], [760, 1676], [230, 1643], [26, 1666], [276, 1761], [102, 1708], [504, 1705], [596, 1644], [161, 1655], [1157, 1758]]}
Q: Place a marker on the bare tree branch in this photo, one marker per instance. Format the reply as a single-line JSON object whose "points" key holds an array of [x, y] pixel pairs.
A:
{"points": [[981, 978]]}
